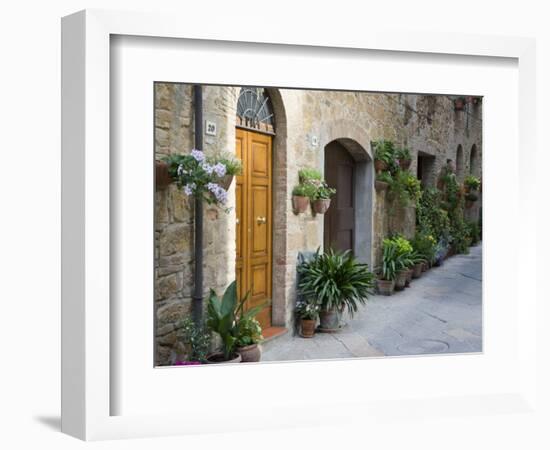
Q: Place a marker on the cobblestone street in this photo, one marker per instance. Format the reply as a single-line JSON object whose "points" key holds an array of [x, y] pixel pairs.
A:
{"points": [[440, 313]]}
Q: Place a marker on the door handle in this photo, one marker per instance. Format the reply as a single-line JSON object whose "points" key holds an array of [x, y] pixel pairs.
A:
{"points": [[261, 220]]}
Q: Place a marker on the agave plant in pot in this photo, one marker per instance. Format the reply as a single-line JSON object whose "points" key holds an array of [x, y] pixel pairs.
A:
{"points": [[338, 283], [223, 317]]}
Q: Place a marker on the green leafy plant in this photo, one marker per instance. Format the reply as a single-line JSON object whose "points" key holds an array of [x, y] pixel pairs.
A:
{"points": [[224, 315], [474, 231], [306, 175], [304, 190], [249, 332], [431, 218], [385, 177], [397, 255], [336, 281], [233, 164], [324, 192], [425, 245], [196, 338], [384, 151], [307, 309], [472, 182], [403, 154], [412, 186]]}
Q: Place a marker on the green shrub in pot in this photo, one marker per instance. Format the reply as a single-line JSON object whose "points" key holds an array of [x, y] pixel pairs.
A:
{"points": [[337, 282]]}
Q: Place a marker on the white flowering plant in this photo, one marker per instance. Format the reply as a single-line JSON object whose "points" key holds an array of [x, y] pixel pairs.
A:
{"points": [[307, 310], [196, 174]]}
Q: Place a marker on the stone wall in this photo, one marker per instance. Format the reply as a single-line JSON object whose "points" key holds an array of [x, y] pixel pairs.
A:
{"points": [[306, 121]]}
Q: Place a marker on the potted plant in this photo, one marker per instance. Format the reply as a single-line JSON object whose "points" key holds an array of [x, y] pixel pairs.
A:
{"points": [[223, 317], [459, 103], [337, 282], [471, 183], [403, 155], [309, 175], [386, 281], [198, 175], [308, 312], [249, 336], [403, 261], [383, 180], [233, 167], [194, 341], [383, 155], [321, 201], [301, 195]]}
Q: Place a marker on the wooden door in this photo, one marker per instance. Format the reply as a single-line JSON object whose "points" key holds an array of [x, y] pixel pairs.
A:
{"points": [[254, 220], [339, 232]]}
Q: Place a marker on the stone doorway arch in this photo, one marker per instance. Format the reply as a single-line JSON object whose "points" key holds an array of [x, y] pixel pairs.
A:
{"points": [[356, 141]]}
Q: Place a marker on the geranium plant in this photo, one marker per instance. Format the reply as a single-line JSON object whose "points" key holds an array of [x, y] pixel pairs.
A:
{"points": [[196, 174]]}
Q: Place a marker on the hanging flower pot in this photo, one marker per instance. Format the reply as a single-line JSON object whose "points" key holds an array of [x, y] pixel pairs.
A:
{"points": [[300, 203], [404, 164], [226, 181], [162, 177], [380, 165], [459, 104], [321, 205]]}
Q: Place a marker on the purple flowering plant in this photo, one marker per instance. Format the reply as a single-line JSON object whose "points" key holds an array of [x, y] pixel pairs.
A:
{"points": [[197, 174]]}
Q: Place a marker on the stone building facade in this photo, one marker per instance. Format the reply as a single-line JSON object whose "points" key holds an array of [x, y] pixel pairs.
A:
{"points": [[305, 123]]}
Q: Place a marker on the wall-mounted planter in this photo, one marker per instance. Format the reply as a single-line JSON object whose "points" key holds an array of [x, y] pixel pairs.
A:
{"points": [[459, 104], [380, 185], [226, 181], [404, 164], [162, 177], [320, 206], [380, 165], [299, 204]]}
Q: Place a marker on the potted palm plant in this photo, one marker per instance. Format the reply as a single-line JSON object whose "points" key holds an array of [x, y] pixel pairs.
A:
{"points": [[338, 283], [308, 312], [223, 317]]}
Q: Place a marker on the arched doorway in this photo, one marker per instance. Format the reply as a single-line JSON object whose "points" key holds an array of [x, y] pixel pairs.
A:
{"points": [[254, 135], [348, 168], [340, 172]]}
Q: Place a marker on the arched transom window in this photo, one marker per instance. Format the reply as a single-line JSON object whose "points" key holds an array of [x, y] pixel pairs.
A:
{"points": [[254, 110]]}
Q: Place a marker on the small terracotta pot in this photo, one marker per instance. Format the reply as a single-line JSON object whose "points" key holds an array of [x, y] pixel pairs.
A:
{"points": [[459, 104], [400, 280], [409, 277], [380, 185], [217, 358], [380, 165], [404, 163], [308, 327], [385, 287], [320, 206], [417, 270], [250, 353], [300, 203], [162, 177], [226, 181]]}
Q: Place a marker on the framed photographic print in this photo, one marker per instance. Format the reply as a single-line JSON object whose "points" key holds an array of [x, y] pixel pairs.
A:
{"points": [[243, 213]]}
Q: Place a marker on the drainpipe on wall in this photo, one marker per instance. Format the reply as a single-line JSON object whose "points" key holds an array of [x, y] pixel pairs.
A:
{"points": [[196, 306]]}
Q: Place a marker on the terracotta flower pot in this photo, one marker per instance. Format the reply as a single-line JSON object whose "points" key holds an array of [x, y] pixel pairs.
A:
{"points": [[400, 280], [320, 206], [385, 287], [308, 327], [404, 163], [459, 104], [380, 185], [226, 181], [162, 177], [417, 270], [300, 203], [409, 277], [380, 165], [250, 353], [218, 358]]}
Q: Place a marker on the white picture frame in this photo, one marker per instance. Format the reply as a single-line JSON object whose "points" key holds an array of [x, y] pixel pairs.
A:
{"points": [[88, 386]]}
